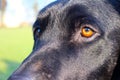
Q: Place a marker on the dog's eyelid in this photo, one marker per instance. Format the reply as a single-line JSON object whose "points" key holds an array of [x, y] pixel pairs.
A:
{"points": [[86, 23], [91, 26], [37, 30], [92, 34]]}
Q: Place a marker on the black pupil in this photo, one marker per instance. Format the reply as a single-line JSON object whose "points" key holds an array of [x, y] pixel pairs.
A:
{"points": [[87, 29]]}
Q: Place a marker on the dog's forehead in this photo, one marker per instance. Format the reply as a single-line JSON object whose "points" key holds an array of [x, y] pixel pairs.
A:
{"points": [[96, 7], [100, 9], [60, 5], [52, 8]]}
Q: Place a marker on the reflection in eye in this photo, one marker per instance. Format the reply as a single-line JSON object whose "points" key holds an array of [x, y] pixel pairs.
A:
{"points": [[87, 32], [37, 32]]}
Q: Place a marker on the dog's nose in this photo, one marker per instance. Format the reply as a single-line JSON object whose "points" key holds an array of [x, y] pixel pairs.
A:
{"points": [[18, 78]]}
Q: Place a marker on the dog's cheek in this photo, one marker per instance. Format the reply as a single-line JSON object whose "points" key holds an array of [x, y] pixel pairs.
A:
{"points": [[114, 37], [101, 54]]}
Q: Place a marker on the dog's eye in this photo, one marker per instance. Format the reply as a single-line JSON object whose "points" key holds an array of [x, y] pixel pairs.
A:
{"points": [[87, 32], [37, 32]]}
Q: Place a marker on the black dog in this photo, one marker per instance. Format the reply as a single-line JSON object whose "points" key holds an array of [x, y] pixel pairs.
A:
{"points": [[75, 40]]}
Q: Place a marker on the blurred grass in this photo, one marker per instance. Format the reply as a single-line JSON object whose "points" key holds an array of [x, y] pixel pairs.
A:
{"points": [[15, 45]]}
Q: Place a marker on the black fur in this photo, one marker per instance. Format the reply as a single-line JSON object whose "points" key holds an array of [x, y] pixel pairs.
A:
{"points": [[61, 52]]}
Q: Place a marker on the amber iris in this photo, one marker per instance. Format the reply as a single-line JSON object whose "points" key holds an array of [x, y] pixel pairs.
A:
{"points": [[87, 32]]}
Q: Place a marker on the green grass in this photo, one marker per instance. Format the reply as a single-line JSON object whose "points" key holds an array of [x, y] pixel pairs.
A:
{"points": [[15, 45]]}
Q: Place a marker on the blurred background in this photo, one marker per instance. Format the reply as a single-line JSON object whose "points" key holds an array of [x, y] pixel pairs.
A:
{"points": [[16, 40]]}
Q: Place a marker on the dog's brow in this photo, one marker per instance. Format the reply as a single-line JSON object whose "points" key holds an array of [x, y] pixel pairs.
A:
{"points": [[42, 15], [78, 9]]}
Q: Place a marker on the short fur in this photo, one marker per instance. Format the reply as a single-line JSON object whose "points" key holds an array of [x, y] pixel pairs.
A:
{"points": [[61, 53]]}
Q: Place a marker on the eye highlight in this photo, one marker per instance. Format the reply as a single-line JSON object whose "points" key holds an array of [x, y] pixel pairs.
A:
{"points": [[87, 32], [37, 32]]}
